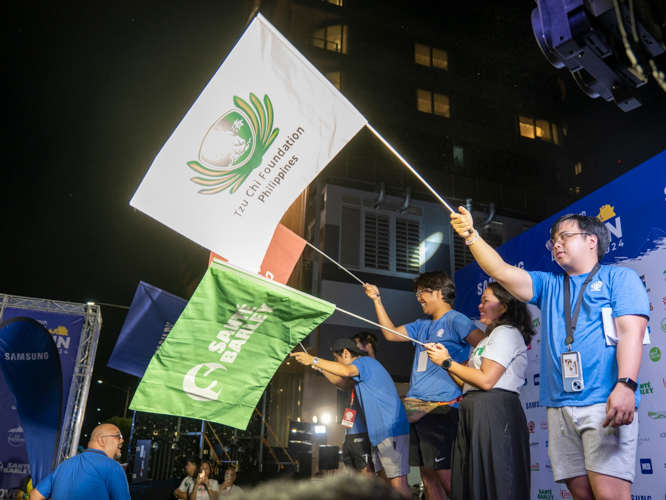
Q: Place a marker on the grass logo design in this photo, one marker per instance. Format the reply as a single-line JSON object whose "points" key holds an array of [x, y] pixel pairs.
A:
{"points": [[234, 146]]}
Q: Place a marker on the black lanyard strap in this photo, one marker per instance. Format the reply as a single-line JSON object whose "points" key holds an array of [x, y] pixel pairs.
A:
{"points": [[570, 321]]}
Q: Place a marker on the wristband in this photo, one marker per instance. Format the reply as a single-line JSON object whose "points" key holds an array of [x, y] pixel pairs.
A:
{"points": [[471, 242]]}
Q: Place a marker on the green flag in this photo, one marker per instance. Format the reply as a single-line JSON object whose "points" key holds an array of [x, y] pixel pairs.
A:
{"points": [[225, 347]]}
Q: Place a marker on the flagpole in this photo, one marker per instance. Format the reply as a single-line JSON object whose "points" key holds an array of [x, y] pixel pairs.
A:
{"points": [[378, 325], [334, 262], [409, 166]]}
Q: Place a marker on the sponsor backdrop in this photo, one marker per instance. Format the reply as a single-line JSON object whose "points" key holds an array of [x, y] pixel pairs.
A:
{"points": [[633, 207], [66, 332]]}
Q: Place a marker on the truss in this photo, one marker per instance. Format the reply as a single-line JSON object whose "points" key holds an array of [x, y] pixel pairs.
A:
{"points": [[85, 359]]}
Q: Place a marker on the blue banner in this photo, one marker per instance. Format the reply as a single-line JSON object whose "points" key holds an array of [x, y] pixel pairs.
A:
{"points": [[151, 316], [65, 330], [633, 208], [31, 366]]}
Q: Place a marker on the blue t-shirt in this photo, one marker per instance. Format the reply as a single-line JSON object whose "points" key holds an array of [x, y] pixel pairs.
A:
{"points": [[359, 425], [617, 287], [91, 474], [378, 397], [434, 384]]}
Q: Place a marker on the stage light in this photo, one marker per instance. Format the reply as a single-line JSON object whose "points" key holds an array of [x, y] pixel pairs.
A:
{"points": [[320, 429], [99, 381], [429, 246], [314, 419], [99, 409], [326, 418], [90, 303]]}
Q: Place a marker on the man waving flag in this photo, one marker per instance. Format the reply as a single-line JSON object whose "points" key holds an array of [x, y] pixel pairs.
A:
{"points": [[225, 347]]}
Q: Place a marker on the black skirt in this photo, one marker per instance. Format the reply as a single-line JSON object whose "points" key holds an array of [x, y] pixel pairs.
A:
{"points": [[491, 456]]}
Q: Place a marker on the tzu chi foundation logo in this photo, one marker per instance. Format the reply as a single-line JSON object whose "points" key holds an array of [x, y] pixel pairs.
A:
{"points": [[235, 145]]}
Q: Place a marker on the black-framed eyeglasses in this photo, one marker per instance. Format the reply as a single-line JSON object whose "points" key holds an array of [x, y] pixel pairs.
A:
{"points": [[118, 436], [562, 238], [421, 290]]}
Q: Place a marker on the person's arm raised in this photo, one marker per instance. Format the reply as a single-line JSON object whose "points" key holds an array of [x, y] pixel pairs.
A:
{"points": [[517, 281], [382, 318]]}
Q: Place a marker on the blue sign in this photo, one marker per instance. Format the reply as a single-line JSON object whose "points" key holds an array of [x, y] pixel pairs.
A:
{"points": [[31, 367], [65, 330], [150, 319], [646, 466], [141, 461]]}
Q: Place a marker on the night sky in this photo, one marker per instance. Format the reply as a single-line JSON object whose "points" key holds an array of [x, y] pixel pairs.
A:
{"points": [[91, 93]]}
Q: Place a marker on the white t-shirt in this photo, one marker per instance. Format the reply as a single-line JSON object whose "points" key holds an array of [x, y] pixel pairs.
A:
{"points": [[232, 491], [505, 346], [202, 493]]}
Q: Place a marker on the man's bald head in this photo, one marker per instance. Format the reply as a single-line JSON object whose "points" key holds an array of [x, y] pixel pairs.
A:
{"points": [[107, 438]]}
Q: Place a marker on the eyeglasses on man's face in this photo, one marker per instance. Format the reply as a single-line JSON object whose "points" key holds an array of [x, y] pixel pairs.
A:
{"points": [[421, 290], [562, 238], [117, 436]]}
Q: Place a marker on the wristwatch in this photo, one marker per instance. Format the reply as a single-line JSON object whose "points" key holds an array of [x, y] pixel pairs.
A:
{"points": [[446, 364], [315, 360], [629, 383]]}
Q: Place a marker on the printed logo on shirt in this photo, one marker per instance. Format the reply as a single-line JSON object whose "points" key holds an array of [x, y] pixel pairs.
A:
{"points": [[596, 286], [478, 351], [646, 466], [440, 332]]}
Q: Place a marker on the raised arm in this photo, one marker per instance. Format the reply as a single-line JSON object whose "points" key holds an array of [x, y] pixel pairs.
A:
{"points": [[332, 367], [517, 281], [382, 318]]}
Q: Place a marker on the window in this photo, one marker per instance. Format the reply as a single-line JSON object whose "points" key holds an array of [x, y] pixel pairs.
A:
{"points": [[458, 156], [380, 240], [578, 168], [538, 129], [427, 56], [432, 102], [335, 77], [333, 38], [526, 127]]}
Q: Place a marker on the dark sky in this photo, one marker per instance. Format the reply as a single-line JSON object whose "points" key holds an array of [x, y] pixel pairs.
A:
{"points": [[91, 92]]}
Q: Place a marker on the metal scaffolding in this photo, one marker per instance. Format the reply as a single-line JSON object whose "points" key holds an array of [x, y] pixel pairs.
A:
{"points": [[85, 359]]}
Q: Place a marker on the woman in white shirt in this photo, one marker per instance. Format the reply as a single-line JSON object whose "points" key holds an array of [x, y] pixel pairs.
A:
{"points": [[205, 488], [491, 456]]}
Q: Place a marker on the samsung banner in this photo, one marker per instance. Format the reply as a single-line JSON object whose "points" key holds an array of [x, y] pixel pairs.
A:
{"points": [[633, 207], [31, 366], [65, 329]]}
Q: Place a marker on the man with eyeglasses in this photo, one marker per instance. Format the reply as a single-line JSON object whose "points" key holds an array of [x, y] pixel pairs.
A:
{"points": [[592, 429], [432, 400], [95, 473]]}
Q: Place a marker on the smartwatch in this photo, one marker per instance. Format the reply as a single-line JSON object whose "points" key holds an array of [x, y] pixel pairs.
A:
{"points": [[629, 383], [446, 364]]}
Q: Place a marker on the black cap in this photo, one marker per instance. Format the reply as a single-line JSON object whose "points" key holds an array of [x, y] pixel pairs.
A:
{"points": [[349, 344]]}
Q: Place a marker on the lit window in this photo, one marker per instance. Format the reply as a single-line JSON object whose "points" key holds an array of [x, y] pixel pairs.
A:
{"points": [[424, 101], [578, 168], [440, 59], [431, 102], [335, 77], [577, 190], [422, 54], [458, 156], [543, 130], [442, 105], [333, 38], [526, 127], [425, 56]]}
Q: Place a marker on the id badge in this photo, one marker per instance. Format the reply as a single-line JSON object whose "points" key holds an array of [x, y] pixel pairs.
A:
{"points": [[350, 415], [572, 371], [423, 362]]}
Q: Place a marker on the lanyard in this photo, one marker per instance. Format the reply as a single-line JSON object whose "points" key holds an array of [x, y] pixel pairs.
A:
{"points": [[351, 405], [570, 321]]}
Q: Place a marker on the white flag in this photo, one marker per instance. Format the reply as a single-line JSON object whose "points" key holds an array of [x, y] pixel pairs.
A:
{"points": [[265, 125]]}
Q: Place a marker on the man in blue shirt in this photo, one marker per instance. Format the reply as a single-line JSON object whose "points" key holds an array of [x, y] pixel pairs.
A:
{"points": [[95, 473], [432, 436], [593, 460], [387, 425]]}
